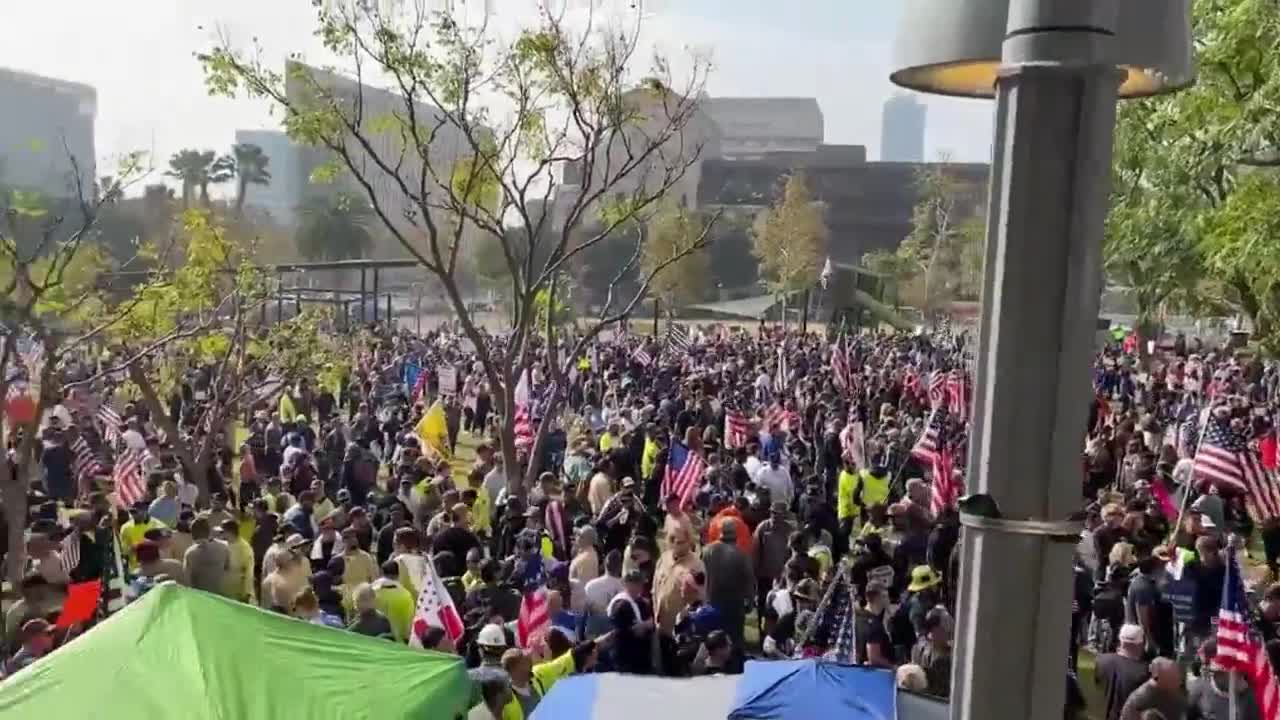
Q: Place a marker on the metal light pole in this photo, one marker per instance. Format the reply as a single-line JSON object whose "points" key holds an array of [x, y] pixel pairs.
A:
{"points": [[1056, 69]]}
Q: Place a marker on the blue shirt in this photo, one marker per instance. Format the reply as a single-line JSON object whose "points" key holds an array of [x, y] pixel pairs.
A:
{"points": [[165, 509]]}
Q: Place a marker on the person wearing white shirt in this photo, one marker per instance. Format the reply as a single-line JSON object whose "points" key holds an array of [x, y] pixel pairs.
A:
{"points": [[600, 592], [495, 481], [777, 478], [753, 465]]}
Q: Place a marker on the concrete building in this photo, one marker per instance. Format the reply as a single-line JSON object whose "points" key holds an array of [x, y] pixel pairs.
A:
{"points": [[868, 205], [384, 113], [284, 194], [750, 127], [43, 121], [902, 130]]}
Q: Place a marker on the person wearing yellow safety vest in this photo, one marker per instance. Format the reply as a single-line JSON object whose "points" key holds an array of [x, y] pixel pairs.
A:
{"points": [[875, 486], [848, 499], [531, 681]]}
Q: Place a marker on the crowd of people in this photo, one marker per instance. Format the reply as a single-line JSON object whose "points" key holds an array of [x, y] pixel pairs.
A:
{"points": [[678, 505]]}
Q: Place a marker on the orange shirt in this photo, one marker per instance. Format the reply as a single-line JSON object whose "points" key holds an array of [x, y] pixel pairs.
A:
{"points": [[743, 539]]}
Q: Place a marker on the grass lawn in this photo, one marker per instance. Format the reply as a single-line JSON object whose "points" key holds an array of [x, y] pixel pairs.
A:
{"points": [[1095, 704]]}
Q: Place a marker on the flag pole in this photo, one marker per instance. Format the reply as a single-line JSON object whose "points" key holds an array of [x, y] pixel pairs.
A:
{"points": [[1231, 695], [1186, 491]]}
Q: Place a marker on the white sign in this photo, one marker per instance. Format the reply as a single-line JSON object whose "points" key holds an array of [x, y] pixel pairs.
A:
{"points": [[448, 380]]}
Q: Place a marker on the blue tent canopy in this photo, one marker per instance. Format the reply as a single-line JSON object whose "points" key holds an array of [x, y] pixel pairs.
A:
{"points": [[777, 690], [804, 689]]}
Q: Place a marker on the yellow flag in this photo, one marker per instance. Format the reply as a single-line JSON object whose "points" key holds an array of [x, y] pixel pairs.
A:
{"points": [[433, 430], [287, 413]]}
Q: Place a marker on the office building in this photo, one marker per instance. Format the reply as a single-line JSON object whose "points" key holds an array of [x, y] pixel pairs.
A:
{"points": [[752, 126], [44, 124], [868, 205], [902, 130]]}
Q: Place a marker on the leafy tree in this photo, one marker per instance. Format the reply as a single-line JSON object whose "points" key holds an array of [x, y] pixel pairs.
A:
{"points": [[249, 164], [205, 312], [790, 239], [672, 232], [1181, 158], [940, 232], [49, 302], [335, 227], [895, 267], [478, 135]]}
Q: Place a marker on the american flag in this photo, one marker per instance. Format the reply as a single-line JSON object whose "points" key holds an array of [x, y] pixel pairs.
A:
{"points": [[1224, 458], [435, 609], [642, 356], [523, 422], [534, 619], [70, 551], [678, 339], [684, 474], [841, 370], [85, 465], [946, 487], [931, 440], [957, 389], [911, 383], [780, 418], [130, 484], [1239, 649], [737, 429], [937, 388], [111, 422]]}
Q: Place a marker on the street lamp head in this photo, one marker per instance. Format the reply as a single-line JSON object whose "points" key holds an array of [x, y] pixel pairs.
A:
{"points": [[954, 47]]}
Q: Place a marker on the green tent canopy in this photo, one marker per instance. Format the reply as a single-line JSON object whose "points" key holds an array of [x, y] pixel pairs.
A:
{"points": [[181, 653]]}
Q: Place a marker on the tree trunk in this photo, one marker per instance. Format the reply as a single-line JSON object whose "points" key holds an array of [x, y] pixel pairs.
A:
{"points": [[13, 491], [160, 416]]}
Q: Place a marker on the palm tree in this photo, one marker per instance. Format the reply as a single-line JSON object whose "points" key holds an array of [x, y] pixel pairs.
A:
{"points": [[249, 164], [198, 169], [191, 167], [220, 170], [334, 227]]}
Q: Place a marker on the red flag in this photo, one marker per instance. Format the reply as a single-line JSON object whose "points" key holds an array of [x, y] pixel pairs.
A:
{"points": [[81, 604], [1167, 506]]}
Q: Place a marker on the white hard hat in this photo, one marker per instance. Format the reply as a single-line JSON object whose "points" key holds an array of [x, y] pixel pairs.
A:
{"points": [[492, 635]]}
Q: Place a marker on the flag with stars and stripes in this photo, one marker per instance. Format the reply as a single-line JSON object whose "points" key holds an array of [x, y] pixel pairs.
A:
{"points": [[937, 388], [111, 422], [1224, 458], [958, 392], [841, 368], [684, 474], [130, 483], [69, 551], [85, 464], [642, 356], [678, 340], [737, 429], [534, 618], [1239, 649]]}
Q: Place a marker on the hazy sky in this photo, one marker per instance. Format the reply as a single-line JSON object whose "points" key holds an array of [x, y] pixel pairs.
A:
{"points": [[138, 54]]}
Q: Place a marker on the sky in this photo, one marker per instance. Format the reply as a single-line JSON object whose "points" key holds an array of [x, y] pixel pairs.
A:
{"points": [[139, 54]]}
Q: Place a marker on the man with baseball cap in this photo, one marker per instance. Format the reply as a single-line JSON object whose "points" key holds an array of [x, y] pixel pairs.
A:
{"points": [[1122, 672], [37, 641]]}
